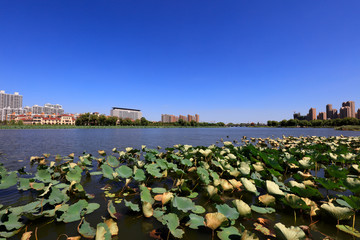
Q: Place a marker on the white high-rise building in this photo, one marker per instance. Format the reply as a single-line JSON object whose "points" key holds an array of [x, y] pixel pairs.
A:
{"points": [[10, 100], [126, 113]]}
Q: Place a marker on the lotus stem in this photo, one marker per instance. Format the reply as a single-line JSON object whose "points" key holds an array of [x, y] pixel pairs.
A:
{"points": [[168, 235], [212, 235], [294, 216], [353, 226]]}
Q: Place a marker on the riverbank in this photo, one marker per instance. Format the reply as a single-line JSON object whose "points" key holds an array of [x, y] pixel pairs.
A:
{"points": [[92, 127], [348, 128]]}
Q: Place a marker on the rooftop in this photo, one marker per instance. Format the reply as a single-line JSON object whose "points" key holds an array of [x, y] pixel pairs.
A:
{"points": [[126, 109]]}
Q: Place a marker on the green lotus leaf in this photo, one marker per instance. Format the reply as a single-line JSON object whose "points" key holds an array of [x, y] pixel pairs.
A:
{"points": [[43, 175], [24, 184], [186, 162], [37, 186], [107, 171], [195, 221], [74, 211], [242, 207], [337, 172], [249, 186], [339, 213], [96, 173], [86, 230], [28, 208], [145, 195], [161, 163], [172, 222], [193, 195], [353, 201], [74, 174], [61, 185], [92, 207], [56, 196], [203, 174], [227, 211], [139, 175], [198, 209], [124, 171], [273, 188], [134, 207], [294, 201], [158, 190], [158, 213], [112, 161], [308, 192], [154, 170], [349, 230], [12, 222], [111, 209], [183, 203], [262, 210], [102, 232], [229, 233], [8, 180], [292, 233], [328, 183]]}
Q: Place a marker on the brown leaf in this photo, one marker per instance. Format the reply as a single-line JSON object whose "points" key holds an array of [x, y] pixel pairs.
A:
{"points": [[26, 235], [74, 238], [114, 230], [154, 234], [158, 197], [263, 221]]}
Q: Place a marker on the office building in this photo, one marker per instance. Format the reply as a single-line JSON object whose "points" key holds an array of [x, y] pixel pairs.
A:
{"points": [[125, 113], [345, 112]]}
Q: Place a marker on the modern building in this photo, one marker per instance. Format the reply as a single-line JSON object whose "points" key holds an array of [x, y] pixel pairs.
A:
{"points": [[167, 118], [322, 116], [312, 114], [46, 109], [345, 112], [124, 113], [351, 105], [10, 100]]}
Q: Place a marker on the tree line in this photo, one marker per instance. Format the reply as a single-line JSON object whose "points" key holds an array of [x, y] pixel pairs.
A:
{"points": [[88, 119], [314, 123]]}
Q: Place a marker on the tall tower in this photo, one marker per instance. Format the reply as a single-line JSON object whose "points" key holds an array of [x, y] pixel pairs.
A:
{"points": [[351, 105], [312, 114], [329, 111]]}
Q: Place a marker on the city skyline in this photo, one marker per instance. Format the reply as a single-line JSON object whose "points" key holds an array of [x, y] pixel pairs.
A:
{"points": [[229, 61]]}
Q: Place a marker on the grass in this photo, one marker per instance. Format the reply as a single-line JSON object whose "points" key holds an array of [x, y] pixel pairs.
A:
{"points": [[348, 128]]}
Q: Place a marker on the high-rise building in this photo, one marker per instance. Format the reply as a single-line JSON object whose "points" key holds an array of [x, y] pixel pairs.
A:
{"points": [[197, 118], [345, 112], [124, 113], [329, 111], [351, 105], [358, 113], [312, 114], [322, 116], [167, 118], [10, 100]]}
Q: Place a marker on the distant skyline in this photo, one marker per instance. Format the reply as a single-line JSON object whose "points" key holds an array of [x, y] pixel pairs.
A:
{"points": [[230, 61]]}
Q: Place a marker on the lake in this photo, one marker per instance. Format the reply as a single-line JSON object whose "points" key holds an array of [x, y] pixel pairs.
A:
{"points": [[17, 146]]}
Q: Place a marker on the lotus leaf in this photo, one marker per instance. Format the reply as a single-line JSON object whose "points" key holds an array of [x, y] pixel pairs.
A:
{"points": [[37, 186], [195, 221], [153, 169], [339, 213], [134, 207], [158, 190], [8, 180], [349, 230], [203, 174], [24, 184], [273, 188], [183, 203], [262, 210], [124, 171], [193, 195], [211, 190], [353, 184], [249, 186], [293, 183], [102, 232], [229, 233], [226, 186], [43, 175], [198, 209], [113, 227], [92, 207], [292, 233], [166, 197], [267, 199], [244, 168], [186, 162], [74, 211], [172, 222], [26, 236], [235, 183], [294, 201], [56, 196], [246, 235], [242, 207], [86, 230], [112, 210], [145, 195], [214, 220], [263, 230], [147, 209], [227, 211], [112, 161], [139, 175]]}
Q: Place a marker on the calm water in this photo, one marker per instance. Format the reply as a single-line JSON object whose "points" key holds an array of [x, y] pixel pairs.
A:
{"points": [[20, 145]]}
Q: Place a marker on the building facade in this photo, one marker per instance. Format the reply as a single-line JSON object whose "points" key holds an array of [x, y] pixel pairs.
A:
{"points": [[125, 113], [167, 118], [312, 114], [351, 105], [10, 100]]}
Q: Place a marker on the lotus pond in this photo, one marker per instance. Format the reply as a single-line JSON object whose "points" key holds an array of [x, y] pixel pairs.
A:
{"points": [[288, 188]]}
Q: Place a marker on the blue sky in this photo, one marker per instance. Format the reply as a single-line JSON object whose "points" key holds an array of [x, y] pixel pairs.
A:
{"points": [[230, 61]]}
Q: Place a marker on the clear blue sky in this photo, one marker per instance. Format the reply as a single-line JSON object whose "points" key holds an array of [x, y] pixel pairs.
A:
{"points": [[231, 61]]}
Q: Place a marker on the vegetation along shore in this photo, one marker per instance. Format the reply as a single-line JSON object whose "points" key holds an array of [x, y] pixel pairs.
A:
{"points": [[229, 188]]}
